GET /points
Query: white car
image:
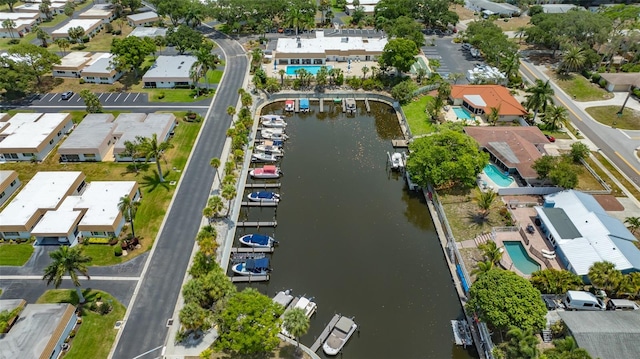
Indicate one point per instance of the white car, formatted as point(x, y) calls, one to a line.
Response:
point(466, 46)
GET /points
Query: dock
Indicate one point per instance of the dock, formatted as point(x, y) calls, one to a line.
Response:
point(297, 105)
point(344, 106)
point(366, 105)
point(321, 104)
point(259, 204)
point(256, 224)
point(262, 185)
point(250, 278)
point(325, 333)
point(242, 257)
point(251, 250)
point(400, 143)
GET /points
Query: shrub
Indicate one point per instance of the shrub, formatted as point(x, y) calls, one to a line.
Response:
point(117, 250)
point(72, 333)
point(82, 81)
point(602, 83)
point(104, 308)
point(117, 32)
point(595, 77)
point(113, 241)
point(636, 92)
point(97, 240)
point(86, 39)
point(160, 95)
point(108, 28)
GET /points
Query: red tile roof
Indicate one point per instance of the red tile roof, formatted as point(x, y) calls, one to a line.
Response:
point(493, 96)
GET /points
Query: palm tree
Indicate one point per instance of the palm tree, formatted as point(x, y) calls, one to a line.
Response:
point(215, 164)
point(520, 32)
point(151, 149)
point(63, 44)
point(293, 17)
point(633, 222)
point(281, 72)
point(455, 76)
point(420, 74)
point(567, 348)
point(194, 76)
point(522, 344)
point(206, 61)
point(228, 193)
point(76, 33)
point(494, 115)
point(540, 95)
point(553, 281)
point(216, 204)
point(296, 323)
point(444, 90)
point(9, 25)
point(45, 8)
point(365, 71)
point(482, 267)
point(491, 252)
point(128, 207)
point(573, 59)
point(42, 35)
point(555, 117)
point(485, 200)
point(67, 260)
point(510, 65)
point(208, 213)
point(231, 111)
point(604, 275)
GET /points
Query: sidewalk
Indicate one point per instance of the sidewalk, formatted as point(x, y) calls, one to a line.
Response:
point(617, 100)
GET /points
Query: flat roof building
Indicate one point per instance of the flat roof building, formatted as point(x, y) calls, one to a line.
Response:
point(151, 32)
point(21, 27)
point(143, 19)
point(321, 49)
point(169, 72)
point(29, 136)
point(55, 7)
point(131, 126)
point(102, 71)
point(72, 64)
point(9, 184)
point(103, 12)
point(91, 140)
point(90, 26)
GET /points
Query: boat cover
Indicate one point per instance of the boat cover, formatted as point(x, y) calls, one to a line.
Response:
point(264, 194)
point(289, 102)
point(260, 239)
point(260, 263)
point(304, 103)
point(344, 324)
point(269, 168)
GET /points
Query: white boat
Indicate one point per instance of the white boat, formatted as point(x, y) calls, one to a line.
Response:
point(269, 135)
point(252, 267)
point(283, 298)
point(273, 121)
point(268, 171)
point(276, 150)
point(276, 131)
point(257, 240)
point(265, 157)
point(340, 334)
point(397, 161)
point(264, 196)
point(308, 305)
point(289, 106)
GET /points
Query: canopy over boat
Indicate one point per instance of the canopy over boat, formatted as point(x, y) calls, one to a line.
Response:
point(260, 263)
point(264, 194)
point(304, 103)
point(260, 239)
point(269, 168)
point(289, 103)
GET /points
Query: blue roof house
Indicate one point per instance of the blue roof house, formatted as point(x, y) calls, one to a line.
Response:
point(582, 233)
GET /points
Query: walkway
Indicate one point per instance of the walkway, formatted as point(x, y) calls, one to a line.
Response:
point(617, 100)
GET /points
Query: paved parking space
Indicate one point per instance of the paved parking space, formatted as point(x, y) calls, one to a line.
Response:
point(106, 98)
point(451, 56)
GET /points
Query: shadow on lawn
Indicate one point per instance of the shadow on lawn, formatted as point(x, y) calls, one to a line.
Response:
point(150, 183)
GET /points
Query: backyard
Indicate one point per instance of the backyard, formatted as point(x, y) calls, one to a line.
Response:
point(418, 120)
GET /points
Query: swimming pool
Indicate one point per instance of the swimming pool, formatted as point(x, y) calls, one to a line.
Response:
point(462, 113)
point(291, 70)
point(520, 258)
point(497, 176)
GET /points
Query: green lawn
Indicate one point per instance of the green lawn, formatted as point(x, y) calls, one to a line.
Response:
point(174, 95)
point(631, 188)
point(556, 134)
point(419, 122)
point(608, 115)
point(615, 190)
point(15, 254)
point(586, 181)
point(580, 88)
point(214, 77)
point(96, 333)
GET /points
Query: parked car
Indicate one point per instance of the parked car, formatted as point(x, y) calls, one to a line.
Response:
point(466, 46)
point(622, 304)
point(550, 138)
point(67, 95)
point(579, 300)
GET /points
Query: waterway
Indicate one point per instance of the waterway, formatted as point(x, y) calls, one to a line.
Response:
point(354, 238)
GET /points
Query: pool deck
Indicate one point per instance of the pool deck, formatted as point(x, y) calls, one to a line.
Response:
point(484, 178)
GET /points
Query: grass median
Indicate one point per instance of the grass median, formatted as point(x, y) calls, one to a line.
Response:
point(14, 254)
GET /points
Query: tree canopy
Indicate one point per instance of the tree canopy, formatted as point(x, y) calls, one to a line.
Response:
point(131, 51)
point(37, 61)
point(503, 299)
point(184, 38)
point(399, 53)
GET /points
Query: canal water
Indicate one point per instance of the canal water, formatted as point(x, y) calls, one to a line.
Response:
point(356, 240)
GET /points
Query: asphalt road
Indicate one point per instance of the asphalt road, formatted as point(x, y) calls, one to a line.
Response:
point(145, 330)
point(614, 143)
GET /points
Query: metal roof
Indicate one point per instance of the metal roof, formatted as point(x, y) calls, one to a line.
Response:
point(562, 223)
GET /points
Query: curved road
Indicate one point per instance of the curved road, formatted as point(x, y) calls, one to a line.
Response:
point(145, 330)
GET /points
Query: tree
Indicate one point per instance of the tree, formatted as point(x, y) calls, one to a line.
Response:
point(540, 95)
point(494, 115)
point(76, 34)
point(194, 76)
point(485, 200)
point(228, 193)
point(45, 8)
point(564, 175)
point(150, 148)
point(553, 281)
point(491, 252)
point(445, 158)
point(209, 289)
point(249, 324)
point(503, 299)
point(160, 42)
point(573, 59)
point(69, 8)
point(37, 61)
point(566, 348)
point(194, 318)
point(67, 261)
point(91, 101)
point(63, 44)
point(421, 73)
point(555, 117)
point(365, 71)
point(399, 53)
point(231, 111)
point(129, 208)
point(296, 323)
point(579, 151)
point(455, 76)
point(407, 28)
point(604, 275)
point(215, 164)
point(174, 9)
point(522, 344)
point(9, 25)
point(216, 204)
point(482, 267)
point(444, 90)
point(130, 52)
point(206, 61)
point(544, 165)
point(633, 222)
point(42, 35)
point(184, 38)
point(131, 150)
point(403, 92)
point(9, 3)
point(435, 13)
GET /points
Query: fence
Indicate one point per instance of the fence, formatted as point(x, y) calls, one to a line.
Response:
point(607, 188)
point(425, 89)
point(534, 191)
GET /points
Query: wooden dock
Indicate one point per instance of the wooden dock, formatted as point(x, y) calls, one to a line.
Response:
point(251, 250)
point(262, 185)
point(400, 143)
point(321, 104)
point(259, 204)
point(366, 104)
point(250, 278)
point(297, 105)
point(242, 257)
point(325, 333)
point(257, 224)
point(344, 106)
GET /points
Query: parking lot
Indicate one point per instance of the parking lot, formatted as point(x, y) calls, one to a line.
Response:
point(106, 99)
point(451, 56)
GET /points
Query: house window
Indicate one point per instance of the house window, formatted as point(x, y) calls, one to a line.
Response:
point(90, 155)
point(2, 195)
point(89, 77)
point(13, 156)
point(11, 234)
point(60, 72)
point(306, 61)
point(101, 234)
point(104, 78)
point(27, 155)
point(70, 158)
point(295, 61)
point(317, 61)
point(59, 133)
point(14, 183)
point(51, 142)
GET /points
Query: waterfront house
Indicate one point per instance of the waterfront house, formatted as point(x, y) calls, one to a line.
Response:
point(480, 99)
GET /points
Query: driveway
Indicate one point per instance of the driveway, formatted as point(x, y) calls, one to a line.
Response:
point(451, 56)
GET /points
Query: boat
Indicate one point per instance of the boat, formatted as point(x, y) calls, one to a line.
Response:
point(308, 305)
point(265, 157)
point(304, 105)
point(274, 121)
point(461, 333)
point(264, 196)
point(268, 171)
point(252, 267)
point(276, 150)
point(340, 334)
point(270, 135)
point(257, 240)
point(289, 106)
point(397, 160)
point(283, 298)
point(350, 105)
point(277, 131)
point(275, 143)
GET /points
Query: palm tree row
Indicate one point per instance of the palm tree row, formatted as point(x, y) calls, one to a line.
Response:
point(149, 148)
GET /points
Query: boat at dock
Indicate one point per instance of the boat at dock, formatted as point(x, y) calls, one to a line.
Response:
point(283, 298)
point(257, 240)
point(340, 334)
point(289, 105)
point(276, 150)
point(304, 105)
point(275, 121)
point(264, 196)
point(306, 304)
point(350, 105)
point(265, 157)
point(273, 134)
point(252, 267)
point(461, 332)
point(265, 172)
point(397, 160)
point(274, 143)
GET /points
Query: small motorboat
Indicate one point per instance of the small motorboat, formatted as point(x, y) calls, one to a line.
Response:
point(265, 157)
point(257, 240)
point(289, 106)
point(340, 334)
point(264, 196)
point(308, 305)
point(276, 150)
point(252, 267)
point(270, 135)
point(304, 105)
point(283, 298)
point(272, 121)
point(274, 143)
point(277, 131)
point(397, 161)
point(268, 171)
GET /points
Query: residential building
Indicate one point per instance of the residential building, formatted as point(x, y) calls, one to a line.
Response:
point(72, 64)
point(151, 32)
point(560, 8)
point(621, 81)
point(489, 8)
point(102, 71)
point(480, 99)
point(31, 136)
point(514, 149)
point(39, 332)
point(23, 24)
point(55, 7)
point(582, 233)
point(91, 140)
point(321, 50)
point(103, 12)
point(91, 28)
point(60, 207)
point(9, 184)
point(130, 126)
point(170, 72)
point(143, 19)
point(605, 334)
